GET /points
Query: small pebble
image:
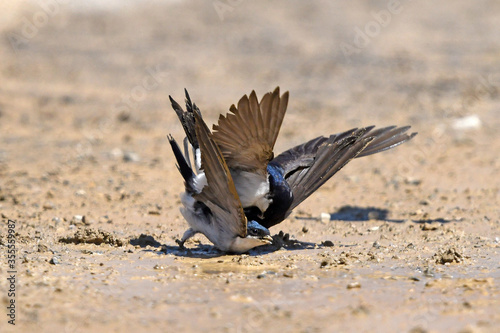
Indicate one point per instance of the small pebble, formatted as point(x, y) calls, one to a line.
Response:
point(241, 298)
point(325, 217)
point(428, 272)
point(80, 193)
point(131, 157)
point(54, 261)
point(467, 305)
point(42, 247)
point(48, 206)
point(412, 181)
point(353, 285)
point(116, 153)
point(429, 226)
point(78, 219)
point(418, 329)
point(327, 243)
point(467, 123)
point(105, 219)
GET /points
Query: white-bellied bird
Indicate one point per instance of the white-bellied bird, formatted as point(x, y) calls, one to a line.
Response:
point(211, 203)
point(269, 187)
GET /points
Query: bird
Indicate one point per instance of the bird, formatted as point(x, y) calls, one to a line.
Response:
point(270, 187)
point(211, 204)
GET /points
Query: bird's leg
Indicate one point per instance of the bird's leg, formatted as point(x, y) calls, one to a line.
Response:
point(188, 234)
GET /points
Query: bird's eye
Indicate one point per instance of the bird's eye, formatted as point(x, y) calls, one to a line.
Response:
point(254, 231)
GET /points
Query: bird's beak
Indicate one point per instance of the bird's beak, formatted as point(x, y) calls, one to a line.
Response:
point(268, 239)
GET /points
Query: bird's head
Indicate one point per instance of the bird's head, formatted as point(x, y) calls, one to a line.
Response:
point(257, 235)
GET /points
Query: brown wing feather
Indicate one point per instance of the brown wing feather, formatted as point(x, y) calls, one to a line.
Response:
point(246, 136)
point(220, 193)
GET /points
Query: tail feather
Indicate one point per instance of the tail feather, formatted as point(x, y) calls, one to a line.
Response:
point(186, 151)
point(187, 118)
point(183, 166)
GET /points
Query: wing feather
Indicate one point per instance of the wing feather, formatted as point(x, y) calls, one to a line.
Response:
point(247, 135)
point(387, 138)
point(308, 166)
point(220, 193)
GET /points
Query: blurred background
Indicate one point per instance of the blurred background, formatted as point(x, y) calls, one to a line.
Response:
point(75, 72)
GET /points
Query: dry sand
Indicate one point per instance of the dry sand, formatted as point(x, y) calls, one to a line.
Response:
point(409, 239)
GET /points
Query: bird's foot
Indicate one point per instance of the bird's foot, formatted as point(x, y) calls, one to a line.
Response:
point(181, 244)
point(188, 234)
point(281, 239)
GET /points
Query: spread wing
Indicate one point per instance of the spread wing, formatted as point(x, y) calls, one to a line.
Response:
point(220, 193)
point(330, 157)
point(386, 138)
point(310, 165)
point(246, 136)
point(303, 155)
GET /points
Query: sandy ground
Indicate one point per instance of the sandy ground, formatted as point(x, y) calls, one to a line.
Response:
point(407, 240)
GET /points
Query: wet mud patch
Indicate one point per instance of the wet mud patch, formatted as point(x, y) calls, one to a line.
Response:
point(92, 236)
point(448, 256)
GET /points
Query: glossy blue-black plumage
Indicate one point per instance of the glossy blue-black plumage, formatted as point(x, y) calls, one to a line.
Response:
point(280, 195)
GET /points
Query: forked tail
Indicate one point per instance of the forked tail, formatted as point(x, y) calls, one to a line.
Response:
point(183, 166)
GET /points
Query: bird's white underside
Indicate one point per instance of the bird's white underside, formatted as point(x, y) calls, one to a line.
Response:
point(200, 181)
point(199, 222)
point(252, 189)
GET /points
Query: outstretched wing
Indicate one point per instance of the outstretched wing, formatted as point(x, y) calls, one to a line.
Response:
point(303, 155)
point(220, 193)
point(247, 135)
point(386, 138)
point(330, 157)
point(310, 165)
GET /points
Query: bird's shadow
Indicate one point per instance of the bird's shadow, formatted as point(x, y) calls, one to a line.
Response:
point(280, 240)
point(361, 214)
point(350, 213)
point(205, 251)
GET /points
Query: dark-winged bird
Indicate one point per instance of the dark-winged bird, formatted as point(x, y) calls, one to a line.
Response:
point(211, 203)
point(271, 187)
